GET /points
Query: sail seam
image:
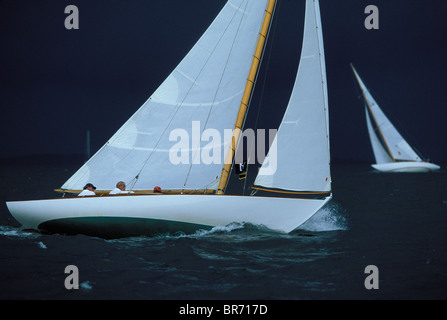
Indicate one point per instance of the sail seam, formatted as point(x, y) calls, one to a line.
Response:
point(134, 180)
point(218, 86)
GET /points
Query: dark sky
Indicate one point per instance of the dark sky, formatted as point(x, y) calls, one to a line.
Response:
point(57, 83)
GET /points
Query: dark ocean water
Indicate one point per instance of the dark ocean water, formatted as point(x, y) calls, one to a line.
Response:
point(396, 222)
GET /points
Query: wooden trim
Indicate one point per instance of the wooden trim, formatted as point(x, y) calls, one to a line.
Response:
point(246, 97)
point(293, 192)
point(138, 192)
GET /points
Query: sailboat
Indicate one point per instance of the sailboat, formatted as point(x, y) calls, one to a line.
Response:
point(391, 151)
point(208, 92)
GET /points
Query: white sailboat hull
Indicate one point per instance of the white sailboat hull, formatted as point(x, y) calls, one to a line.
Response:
point(121, 216)
point(406, 166)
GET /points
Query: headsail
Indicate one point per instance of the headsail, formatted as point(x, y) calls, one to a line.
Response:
point(299, 158)
point(162, 142)
point(388, 144)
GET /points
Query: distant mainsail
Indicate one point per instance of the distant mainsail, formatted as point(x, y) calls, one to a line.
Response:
point(387, 143)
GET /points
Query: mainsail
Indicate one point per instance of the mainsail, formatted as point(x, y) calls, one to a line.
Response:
point(387, 143)
point(299, 158)
point(203, 92)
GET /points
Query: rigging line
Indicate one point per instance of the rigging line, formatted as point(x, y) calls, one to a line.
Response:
point(388, 149)
point(275, 15)
point(78, 175)
point(178, 108)
point(376, 131)
point(401, 129)
point(319, 30)
point(378, 128)
point(246, 98)
point(220, 81)
point(373, 118)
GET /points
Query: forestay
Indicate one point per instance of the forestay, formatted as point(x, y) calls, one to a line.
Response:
point(299, 157)
point(205, 89)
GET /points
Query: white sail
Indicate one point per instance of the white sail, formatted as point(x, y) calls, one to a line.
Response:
point(299, 157)
point(388, 144)
point(203, 92)
point(380, 153)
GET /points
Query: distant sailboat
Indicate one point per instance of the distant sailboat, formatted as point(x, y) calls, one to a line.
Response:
point(392, 152)
point(207, 88)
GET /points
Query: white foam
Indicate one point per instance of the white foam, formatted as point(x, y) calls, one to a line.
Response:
point(86, 285)
point(221, 229)
point(16, 232)
point(329, 218)
point(42, 245)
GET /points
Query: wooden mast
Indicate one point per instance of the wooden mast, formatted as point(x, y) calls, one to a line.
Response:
point(246, 97)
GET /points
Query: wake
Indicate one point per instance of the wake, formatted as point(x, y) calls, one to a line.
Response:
point(329, 218)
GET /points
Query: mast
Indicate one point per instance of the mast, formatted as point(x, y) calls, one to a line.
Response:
point(363, 89)
point(246, 97)
point(87, 145)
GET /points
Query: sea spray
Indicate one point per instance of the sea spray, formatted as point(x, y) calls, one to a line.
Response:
point(86, 285)
point(17, 232)
point(42, 245)
point(329, 218)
